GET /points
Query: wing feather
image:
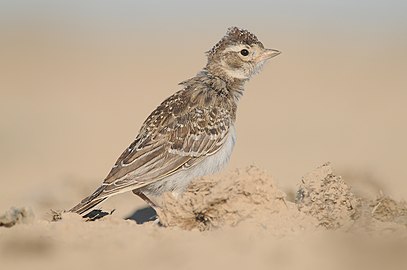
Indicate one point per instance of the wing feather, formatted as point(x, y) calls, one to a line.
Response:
point(169, 143)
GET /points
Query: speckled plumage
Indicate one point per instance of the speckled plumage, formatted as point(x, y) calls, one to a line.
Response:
point(233, 36)
point(191, 133)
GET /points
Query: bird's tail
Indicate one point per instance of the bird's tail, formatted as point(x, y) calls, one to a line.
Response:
point(89, 202)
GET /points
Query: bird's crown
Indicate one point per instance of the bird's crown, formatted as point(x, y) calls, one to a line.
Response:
point(233, 36)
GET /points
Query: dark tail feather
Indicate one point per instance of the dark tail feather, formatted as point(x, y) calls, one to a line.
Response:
point(89, 202)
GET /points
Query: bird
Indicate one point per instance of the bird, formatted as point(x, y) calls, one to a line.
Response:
point(191, 133)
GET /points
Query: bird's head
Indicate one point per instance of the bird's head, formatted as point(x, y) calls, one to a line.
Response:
point(238, 55)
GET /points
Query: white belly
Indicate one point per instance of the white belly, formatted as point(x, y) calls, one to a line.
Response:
point(212, 164)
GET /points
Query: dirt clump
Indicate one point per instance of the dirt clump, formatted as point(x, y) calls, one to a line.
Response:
point(386, 209)
point(15, 215)
point(327, 197)
point(244, 196)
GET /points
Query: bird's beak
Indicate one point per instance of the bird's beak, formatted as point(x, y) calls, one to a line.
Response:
point(268, 53)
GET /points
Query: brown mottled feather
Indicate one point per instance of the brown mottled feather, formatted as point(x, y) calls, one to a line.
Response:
point(188, 126)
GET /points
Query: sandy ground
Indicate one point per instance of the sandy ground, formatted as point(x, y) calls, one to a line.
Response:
point(236, 220)
point(76, 83)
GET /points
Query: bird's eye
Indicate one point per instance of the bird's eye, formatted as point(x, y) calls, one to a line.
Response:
point(244, 52)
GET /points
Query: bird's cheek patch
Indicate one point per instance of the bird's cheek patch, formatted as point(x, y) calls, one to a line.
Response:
point(233, 62)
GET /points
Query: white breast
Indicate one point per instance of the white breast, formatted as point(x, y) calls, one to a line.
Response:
point(217, 161)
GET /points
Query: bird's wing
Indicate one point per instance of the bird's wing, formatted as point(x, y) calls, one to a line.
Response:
point(173, 138)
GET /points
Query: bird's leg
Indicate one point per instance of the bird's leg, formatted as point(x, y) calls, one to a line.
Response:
point(150, 203)
point(145, 198)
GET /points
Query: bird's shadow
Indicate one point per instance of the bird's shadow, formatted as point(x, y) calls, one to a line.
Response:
point(143, 215)
point(140, 216)
point(97, 214)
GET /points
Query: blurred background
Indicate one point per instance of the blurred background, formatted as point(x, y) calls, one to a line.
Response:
point(78, 78)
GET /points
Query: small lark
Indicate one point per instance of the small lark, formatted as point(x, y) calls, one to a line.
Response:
point(191, 134)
